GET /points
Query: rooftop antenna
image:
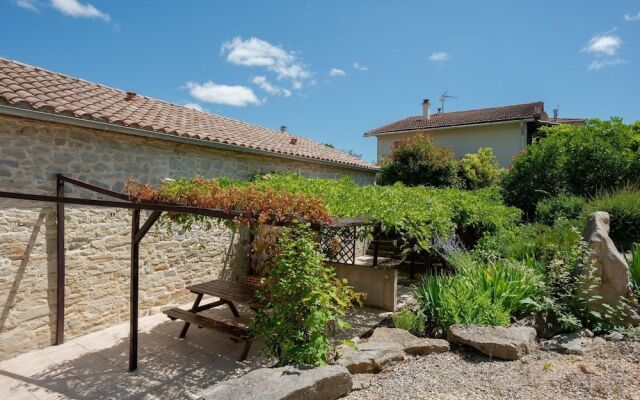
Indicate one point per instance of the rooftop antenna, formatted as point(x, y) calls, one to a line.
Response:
point(444, 97)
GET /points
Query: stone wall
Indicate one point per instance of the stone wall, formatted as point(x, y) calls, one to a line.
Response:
point(97, 240)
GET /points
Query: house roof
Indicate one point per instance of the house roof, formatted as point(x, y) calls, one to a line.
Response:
point(460, 118)
point(28, 87)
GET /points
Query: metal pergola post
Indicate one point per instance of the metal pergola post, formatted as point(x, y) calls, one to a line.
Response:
point(60, 262)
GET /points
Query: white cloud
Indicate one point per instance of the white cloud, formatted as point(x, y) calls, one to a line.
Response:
point(255, 52)
point(606, 44)
point(270, 88)
point(605, 62)
point(439, 56)
point(27, 4)
point(74, 8)
point(604, 48)
point(194, 106)
point(632, 17)
point(360, 67)
point(210, 92)
point(335, 72)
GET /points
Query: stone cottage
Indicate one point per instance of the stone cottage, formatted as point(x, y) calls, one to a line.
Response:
point(50, 124)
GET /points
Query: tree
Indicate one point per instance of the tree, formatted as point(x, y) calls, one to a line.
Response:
point(418, 161)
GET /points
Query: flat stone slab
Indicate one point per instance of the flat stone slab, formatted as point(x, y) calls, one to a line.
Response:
point(300, 383)
point(574, 343)
point(371, 357)
point(506, 343)
point(410, 343)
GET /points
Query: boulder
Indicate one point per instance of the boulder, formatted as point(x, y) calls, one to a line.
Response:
point(611, 269)
point(545, 324)
point(410, 343)
point(507, 343)
point(304, 383)
point(371, 357)
point(614, 336)
point(574, 343)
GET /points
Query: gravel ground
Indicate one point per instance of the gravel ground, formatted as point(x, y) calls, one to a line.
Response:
point(613, 373)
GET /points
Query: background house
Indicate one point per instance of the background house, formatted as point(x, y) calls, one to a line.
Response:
point(507, 130)
point(52, 123)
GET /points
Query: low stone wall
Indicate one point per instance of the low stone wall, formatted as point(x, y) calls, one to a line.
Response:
point(97, 240)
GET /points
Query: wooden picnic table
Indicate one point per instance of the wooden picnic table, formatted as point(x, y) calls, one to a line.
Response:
point(228, 293)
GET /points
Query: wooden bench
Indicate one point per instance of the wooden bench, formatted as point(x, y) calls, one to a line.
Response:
point(228, 294)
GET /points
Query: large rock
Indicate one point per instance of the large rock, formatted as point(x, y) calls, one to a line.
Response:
point(611, 269)
point(507, 343)
point(574, 343)
point(410, 343)
point(371, 357)
point(299, 383)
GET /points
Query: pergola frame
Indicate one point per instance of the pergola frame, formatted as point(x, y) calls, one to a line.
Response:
point(137, 234)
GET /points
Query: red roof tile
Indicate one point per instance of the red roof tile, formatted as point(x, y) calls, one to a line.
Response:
point(26, 86)
point(459, 118)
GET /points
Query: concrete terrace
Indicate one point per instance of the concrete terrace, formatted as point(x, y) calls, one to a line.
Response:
point(94, 366)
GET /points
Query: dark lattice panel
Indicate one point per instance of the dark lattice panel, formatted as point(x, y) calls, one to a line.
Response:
point(338, 244)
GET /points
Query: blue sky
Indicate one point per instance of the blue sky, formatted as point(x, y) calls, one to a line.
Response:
point(331, 70)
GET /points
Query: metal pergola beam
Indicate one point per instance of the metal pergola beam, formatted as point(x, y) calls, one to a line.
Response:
point(137, 234)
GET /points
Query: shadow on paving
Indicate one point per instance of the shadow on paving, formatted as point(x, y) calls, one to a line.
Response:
point(168, 367)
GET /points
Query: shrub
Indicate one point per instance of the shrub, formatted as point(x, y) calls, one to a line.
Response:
point(479, 170)
point(417, 161)
point(623, 207)
point(577, 160)
point(410, 321)
point(534, 244)
point(549, 210)
point(300, 302)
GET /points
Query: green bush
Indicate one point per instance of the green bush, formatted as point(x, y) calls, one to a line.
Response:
point(417, 161)
point(577, 160)
point(623, 207)
point(549, 210)
point(410, 321)
point(301, 300)
point(479, 170)
point(534, 244)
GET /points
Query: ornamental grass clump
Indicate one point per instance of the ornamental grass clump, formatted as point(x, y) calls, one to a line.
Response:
point(479, 293)
point(301, 302)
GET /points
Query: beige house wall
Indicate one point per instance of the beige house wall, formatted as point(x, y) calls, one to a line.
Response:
point(506, 140)
point(97, 240)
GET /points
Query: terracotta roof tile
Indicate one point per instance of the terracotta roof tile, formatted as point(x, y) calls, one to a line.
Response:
point(42, 90)
point(459, 118)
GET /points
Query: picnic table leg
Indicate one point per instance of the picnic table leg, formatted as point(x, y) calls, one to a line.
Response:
point(233, 308)
point(196, 303)
point(245, 351)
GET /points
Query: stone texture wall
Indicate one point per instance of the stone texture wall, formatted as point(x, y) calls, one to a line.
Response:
point(97, 240)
